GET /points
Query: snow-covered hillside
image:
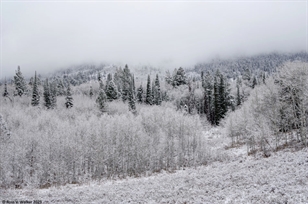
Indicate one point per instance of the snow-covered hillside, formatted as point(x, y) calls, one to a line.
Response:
point(281, 178)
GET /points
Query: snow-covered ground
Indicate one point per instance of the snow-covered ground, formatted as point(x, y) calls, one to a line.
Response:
point(281, 178)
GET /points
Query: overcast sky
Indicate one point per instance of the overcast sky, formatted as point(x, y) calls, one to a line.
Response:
point(49, 35)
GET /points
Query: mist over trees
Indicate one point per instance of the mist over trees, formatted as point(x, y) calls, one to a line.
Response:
point(90, 124)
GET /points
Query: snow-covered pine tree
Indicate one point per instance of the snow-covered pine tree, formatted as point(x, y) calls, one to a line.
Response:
point(20, 83)
point(216, 100)
point(5, 93)
point(60, 88)
point(148, 99)
point(222, 97)
point(35, 94)
point(180, 77)
point(99, 77)
point(91, 92)
point(101, 100)
point(53, 94)
point(131, 101)
point(140, 94)
point(157, 93)
point(69, 98)
point(254, 82)
point(111, 91)
point(46, 94)
point(126, 83)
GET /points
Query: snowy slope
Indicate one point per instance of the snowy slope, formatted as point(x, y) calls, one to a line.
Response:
point(281, 178)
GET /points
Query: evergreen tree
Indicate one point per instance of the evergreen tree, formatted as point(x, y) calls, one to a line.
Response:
point(238, 96)
point(35, 94)
point(254, 82)
point(140, 94)
point(168, 78)
point(148, 99)
point(101, 100)
point(53, 94)
point(208, 98)
point(126, 83)
point(222, 98)
point(109, 78)
point(216, 101)
point(111, 91)
point(47, 98)
point(99, 77)
point(180, 77)
point(131, 101)
point(69, 98)
point(60, 88)
point(20, 83)
point(157, 93)
point(5, 93)
point(91, 92)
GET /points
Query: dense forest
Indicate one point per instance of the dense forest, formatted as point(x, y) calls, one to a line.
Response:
point(97, 122)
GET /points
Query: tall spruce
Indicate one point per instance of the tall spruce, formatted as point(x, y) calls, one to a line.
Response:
point(20, 84)
point(53, 94)
point(148, 99)
point(5, 93)
point(91, 92)
point(101, 100)
point(157, 93)
point(222, 98)
point(131, 100)
point(35, 94)
point(60, 88)
point(46, 94)
point(126, 83)
point(112, 91)
point(69, 98)
point(140, 94)
point(208, 97)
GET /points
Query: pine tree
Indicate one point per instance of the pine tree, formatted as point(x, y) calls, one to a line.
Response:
point(180, 78)
point(131, 101)
point(238, 96)
point(101, 100)
point(99, 77)
point(35, 94)
point(91, 92)
point(148, 99)
point(222, 98)
point(5, 93)
point(111, 91)
point(69, 98)
point(47, 98)
point(53, 94)
point(216, 101)
point(140, 94)
point(254, 82)
point(126, 83)
point(60, 88)
point(208, 98)
point(157, 93)
point(109, 78)
point(20, 83)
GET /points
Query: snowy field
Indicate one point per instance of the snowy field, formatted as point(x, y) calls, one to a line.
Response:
point(281, 178)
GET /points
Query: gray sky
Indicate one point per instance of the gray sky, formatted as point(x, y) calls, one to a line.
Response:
point(49, 35)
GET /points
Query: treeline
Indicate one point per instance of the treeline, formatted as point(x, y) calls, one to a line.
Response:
point(257, 64)
point(209, 96)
